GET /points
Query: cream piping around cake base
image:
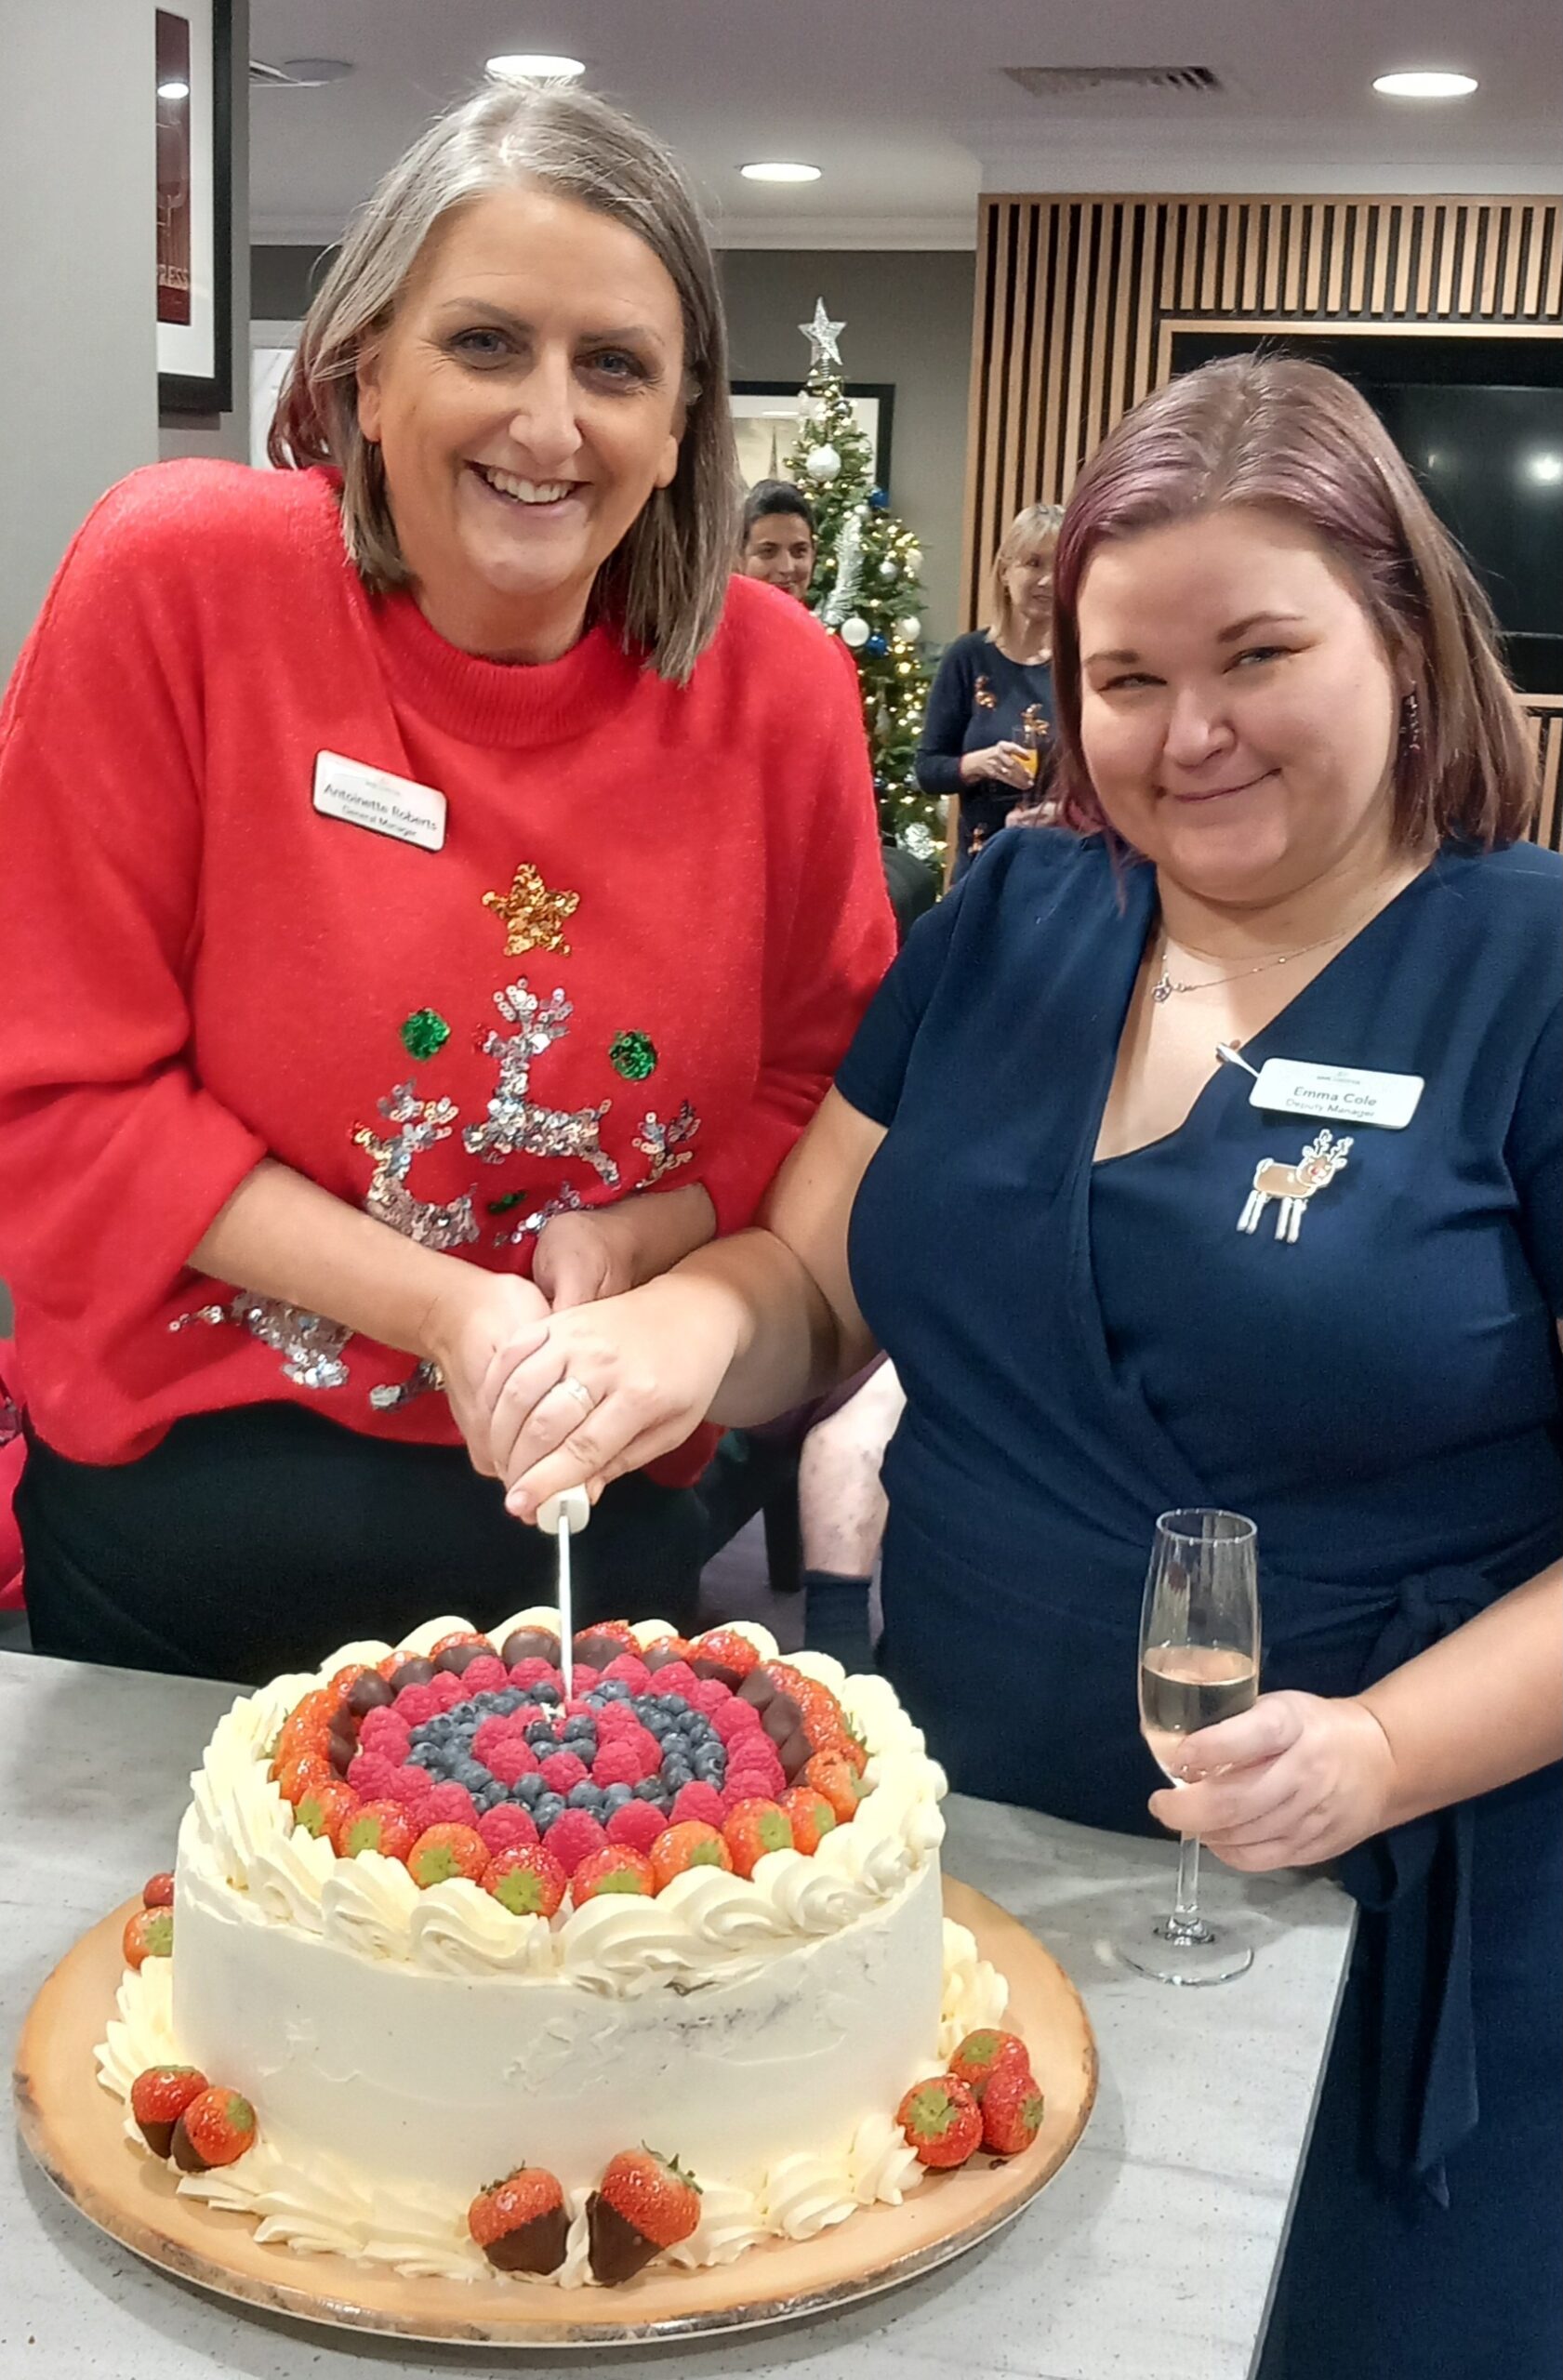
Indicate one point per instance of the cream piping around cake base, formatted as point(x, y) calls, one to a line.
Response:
point(316, 2199)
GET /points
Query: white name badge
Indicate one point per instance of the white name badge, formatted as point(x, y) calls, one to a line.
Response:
point(373, 797)
point(1344, 1095)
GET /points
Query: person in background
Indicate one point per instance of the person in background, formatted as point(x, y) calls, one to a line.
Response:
point(406, 868)
point(989, 723)
point(1299, 783)
point(778, 543)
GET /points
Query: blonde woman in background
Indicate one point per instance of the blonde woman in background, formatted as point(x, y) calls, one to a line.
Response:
point(990, 710)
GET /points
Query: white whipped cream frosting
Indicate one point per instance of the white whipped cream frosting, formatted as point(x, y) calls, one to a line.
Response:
point(316, 2202)
point(239, 1842)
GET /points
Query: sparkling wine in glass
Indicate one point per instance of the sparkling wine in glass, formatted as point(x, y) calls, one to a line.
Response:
point(1198, 1664)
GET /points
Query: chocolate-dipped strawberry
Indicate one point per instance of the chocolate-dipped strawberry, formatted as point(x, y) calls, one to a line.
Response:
point(722, 1653)
point(371, 1692)
point(795, 1752)
point(216, 2129)
point(643, 2204)
point(414, 1671)
point(159, 2097)
point(520, 2223)
point(664, 1653)
point(530, 1645)
point(342, 1743)
point(593, 1650)
point(595, 1647)
point(459, 1659)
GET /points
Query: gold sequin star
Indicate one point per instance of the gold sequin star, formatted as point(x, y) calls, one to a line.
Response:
point(533, 916)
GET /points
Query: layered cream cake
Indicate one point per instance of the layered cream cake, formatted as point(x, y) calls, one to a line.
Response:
point(435, 1922)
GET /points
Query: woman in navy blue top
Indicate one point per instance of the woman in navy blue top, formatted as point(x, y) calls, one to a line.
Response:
point(986, 729)
point(1328, 1299)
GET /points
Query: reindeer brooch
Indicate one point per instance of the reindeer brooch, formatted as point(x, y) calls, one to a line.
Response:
point(1292, 1184)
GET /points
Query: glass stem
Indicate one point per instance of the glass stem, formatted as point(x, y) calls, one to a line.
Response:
point(1186, 1907)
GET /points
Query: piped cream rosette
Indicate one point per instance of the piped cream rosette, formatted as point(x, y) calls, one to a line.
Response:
point(240, 1843)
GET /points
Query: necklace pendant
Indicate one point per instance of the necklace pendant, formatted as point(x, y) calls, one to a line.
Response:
point(1163, 989)
point(1294, 1186)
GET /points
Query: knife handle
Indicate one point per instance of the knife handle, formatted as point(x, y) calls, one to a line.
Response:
point(574, 1507)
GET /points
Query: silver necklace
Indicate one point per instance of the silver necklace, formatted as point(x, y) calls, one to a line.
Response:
point(1166, 985)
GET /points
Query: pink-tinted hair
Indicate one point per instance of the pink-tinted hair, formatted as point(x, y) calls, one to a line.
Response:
point(1276, 432)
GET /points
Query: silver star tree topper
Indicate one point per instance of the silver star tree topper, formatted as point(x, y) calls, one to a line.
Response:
point(823, 335)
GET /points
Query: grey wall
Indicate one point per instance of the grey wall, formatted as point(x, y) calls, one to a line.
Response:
point(228, 433)
point(909, 321)
point(78, 339)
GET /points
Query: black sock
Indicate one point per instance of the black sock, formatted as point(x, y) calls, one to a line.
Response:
point(836, 1617)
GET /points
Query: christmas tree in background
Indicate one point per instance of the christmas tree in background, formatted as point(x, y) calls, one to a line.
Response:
point(865, 588)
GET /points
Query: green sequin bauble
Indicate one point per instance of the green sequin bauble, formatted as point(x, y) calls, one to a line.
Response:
point(425, 1033)
point(633, 1055)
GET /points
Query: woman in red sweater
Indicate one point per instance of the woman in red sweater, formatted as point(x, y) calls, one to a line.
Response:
point(433, 892)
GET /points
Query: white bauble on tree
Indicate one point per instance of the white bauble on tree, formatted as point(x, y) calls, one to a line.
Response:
point(889, 569)
point(911, 562)
point(822, 463)
point(856, 632)
point(909, 630)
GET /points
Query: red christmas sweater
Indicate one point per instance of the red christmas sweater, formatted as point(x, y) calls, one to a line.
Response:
point(655, 920)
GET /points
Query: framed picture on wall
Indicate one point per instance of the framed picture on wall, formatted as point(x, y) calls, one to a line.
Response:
point(766, 418)
point(194, 205)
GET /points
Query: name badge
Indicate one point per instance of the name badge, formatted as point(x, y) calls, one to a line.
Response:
point(373, 797)
point(1351, 1095)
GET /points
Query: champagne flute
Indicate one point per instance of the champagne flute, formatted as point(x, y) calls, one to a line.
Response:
point(1198, 1664)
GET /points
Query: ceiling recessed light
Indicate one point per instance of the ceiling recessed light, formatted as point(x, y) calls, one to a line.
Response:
point(1424, 85)
point(1547, 469)
point(313, 74)
point(535, 66)
point(173, 90)
point(779, 172)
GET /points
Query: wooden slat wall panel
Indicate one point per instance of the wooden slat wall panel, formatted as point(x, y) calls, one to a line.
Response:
point(1075, 296)
point(1545, 721)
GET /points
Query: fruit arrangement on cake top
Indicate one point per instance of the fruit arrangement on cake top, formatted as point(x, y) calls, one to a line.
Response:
point(699, 1884)
point(476, 1761)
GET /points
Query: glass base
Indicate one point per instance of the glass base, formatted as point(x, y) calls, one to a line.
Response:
point(1169, 1953)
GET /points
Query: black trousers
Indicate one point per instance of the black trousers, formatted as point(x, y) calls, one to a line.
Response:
point(258, 1541)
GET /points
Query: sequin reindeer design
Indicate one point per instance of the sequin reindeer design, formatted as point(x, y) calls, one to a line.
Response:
point(312, 1345)
point(515, 1126)
point(419, 1125)
point(1293, 1184)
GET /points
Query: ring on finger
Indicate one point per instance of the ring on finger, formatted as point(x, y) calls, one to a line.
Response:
point(578, 1390)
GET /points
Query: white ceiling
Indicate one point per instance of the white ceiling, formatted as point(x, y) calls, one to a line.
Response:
point(905, 103)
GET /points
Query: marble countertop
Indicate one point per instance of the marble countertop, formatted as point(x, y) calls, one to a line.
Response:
point(1151, 2257)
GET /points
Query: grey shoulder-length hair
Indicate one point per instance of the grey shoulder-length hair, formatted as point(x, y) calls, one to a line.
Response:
point(664, 586)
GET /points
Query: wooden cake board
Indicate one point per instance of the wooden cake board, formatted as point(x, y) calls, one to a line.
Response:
point(74, 2128)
